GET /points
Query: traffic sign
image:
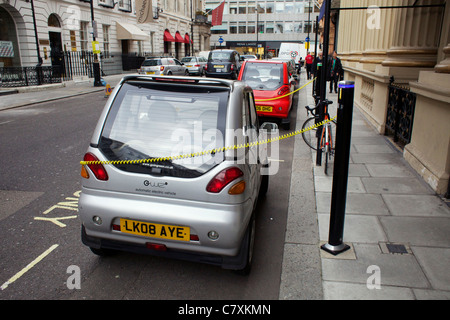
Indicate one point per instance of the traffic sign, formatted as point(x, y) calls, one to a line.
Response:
point(307, 39)
point(221, 40)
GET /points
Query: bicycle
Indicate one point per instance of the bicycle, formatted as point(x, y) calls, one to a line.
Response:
point(325, 133)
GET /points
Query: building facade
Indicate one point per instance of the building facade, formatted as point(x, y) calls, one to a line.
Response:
point(260, 26)
point(66, 26)
point(399, 60)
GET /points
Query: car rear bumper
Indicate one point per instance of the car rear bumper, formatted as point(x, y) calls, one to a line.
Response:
point(284, 104)
point(229, 221)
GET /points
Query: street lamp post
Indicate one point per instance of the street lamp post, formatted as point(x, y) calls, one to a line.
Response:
point(96, 64)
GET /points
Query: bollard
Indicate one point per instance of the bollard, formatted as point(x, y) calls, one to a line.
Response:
point(335, 243)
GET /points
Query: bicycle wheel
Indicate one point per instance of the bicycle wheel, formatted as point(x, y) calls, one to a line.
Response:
point(309, 136)
point(329, 148)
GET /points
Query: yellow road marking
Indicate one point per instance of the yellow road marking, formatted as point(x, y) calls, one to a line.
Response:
point(28, 267)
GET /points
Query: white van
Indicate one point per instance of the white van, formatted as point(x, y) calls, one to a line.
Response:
point(292, 51)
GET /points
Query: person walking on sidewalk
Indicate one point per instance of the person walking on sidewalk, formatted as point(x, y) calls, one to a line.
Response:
point(309, 59)
point(335, 66)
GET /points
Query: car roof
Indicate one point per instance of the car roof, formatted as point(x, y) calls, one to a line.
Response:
point(266, 61)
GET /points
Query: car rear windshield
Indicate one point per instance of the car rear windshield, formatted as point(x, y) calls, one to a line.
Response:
point(189, 59)
point(263, 76)
point(151, 63)
point(158, 120)
point(219, 55)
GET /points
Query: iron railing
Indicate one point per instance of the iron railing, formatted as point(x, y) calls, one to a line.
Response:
point(400, 112)
point(29, 76)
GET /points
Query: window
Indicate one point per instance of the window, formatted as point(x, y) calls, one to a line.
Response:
point(279, 27)
point(307, 27)
point(251, 27)
point(242, 8)
point(251, 7)
point(279, 7)
point(289, 7)
point(125, 5)
point(106, 3)
point(84, 35)
point(270, 7)
point(270, 27)
point(260, 26)
point(299, 7)
point(105, 29)
point(233, 27)
point(242, 27)
point(222, 29)
point(298, 27)
point(233, 8)
point(289, 27)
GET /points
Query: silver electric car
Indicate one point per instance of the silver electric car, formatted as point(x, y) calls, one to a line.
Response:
point(139, 194)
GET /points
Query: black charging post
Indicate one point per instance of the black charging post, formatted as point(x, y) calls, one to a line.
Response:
point(335, 243)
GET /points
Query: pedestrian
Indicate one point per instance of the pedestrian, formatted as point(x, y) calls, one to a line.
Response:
point(300, 63)
point(309, 59)
point(316, 62)
point(335, 71)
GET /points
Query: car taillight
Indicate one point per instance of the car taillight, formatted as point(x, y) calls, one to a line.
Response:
point(223, 178)
point(161, 68)
point(232, 67)
point(97, 169)
point(197, 65)
point(283, 90)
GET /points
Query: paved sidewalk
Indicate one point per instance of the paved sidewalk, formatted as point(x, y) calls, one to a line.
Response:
point(398, 229)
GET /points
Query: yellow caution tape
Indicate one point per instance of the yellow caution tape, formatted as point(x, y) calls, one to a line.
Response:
point(262, 100)
point(207, 152)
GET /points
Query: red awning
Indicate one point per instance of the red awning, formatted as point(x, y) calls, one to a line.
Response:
point(168, 37)
point(187, 39)
point(178, 37)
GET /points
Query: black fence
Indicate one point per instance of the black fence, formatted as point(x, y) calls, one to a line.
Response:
point(400, 113)
point(67, 65)
point(29, 76)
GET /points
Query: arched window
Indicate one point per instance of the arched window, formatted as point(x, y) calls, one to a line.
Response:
point(53, 21)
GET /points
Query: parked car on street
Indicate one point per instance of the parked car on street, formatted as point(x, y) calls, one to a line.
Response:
point(249, 57)
point(199, 208)
point(195, 65)
point(290, 63)
point(270, 80)
point(163, 66)
point(223, 64)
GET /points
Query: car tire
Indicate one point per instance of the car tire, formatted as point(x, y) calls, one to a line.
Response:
point(264, 186)
point(102, 252)
point(169, 73)
point(186, 73)
point(250, 238)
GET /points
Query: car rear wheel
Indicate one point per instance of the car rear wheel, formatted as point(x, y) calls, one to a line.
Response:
point(249, 238)
point(102, 252)
point(186, 73)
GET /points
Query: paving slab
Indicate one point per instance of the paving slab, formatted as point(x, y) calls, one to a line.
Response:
point(353, 291)
point(418, 231)
point(357, 228)
point(394, 269)
point(389, 170)
point(435, 263)
point(416, 205)
point(395, 185)
point(357, 203)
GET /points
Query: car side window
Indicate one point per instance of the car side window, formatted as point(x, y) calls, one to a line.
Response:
point(252, 111)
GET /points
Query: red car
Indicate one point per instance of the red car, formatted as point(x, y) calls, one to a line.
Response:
point(270, 80)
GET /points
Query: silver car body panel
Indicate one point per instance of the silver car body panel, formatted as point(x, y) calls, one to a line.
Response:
point(173, 200)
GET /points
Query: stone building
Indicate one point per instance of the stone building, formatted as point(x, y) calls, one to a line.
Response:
point(66, 26)
point(399, 59)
